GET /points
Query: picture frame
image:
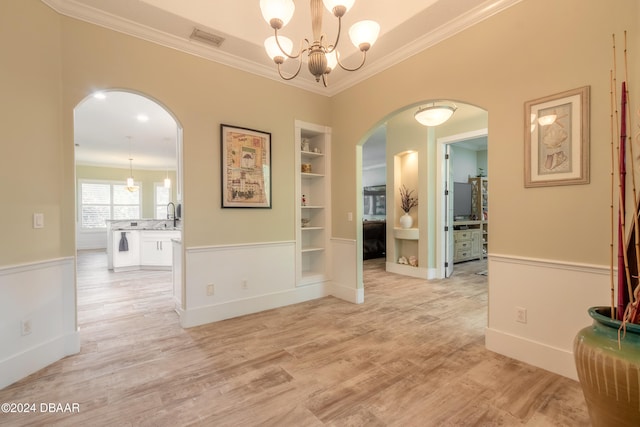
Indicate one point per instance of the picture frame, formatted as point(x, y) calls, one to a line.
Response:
point(245, 159)
point(556, 139)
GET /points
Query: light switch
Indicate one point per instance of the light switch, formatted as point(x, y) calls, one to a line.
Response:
point(38, 220)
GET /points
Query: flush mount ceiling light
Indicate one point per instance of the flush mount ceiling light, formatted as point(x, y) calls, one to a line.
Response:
point(322, 57)
point(434, 115)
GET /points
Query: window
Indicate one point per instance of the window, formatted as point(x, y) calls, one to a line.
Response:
point(100, 201)
point(163, 197)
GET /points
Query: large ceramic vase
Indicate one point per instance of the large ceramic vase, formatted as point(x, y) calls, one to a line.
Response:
point(609, 375)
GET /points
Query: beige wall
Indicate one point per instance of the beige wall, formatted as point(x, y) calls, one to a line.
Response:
point(30, 142)
point(45, 74)
point(497, 65)
point(202, 95)
point(533, 49)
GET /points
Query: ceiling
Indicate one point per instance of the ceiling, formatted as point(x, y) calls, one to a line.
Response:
point(405, 30)
point(108, 131)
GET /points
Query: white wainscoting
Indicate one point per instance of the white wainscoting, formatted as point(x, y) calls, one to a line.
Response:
point(268, 269)
point(556, 296)
point(344, 261)
point(44, 294)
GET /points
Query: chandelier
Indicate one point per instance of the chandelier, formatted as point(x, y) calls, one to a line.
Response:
point(322, 57)
point(434, 115)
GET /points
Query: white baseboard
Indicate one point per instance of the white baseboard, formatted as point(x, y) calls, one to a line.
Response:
point(44, 293)
point(407, 270)
point(33, 359)
point(241, 307)
point(552, 359)
point(348, 293)
point(555, 296)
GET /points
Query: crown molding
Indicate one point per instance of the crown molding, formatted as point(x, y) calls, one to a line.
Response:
point(428, 40)
point(80, 11)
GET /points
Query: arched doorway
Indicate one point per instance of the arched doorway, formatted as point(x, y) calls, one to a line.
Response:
point(403, 136)
point(121, 135)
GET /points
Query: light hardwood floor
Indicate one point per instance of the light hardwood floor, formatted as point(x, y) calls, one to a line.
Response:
point(412, 355)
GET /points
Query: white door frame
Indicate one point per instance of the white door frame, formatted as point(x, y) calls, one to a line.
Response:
point(441, 214)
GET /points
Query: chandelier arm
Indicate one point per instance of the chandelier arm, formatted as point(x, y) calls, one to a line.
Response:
point(325, 79)
point(364, 58)
point(300, 52)
point(283, 77)
point(332, 47)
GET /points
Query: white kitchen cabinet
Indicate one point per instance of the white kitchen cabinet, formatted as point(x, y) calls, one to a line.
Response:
point(129, 259)
point(156, 248)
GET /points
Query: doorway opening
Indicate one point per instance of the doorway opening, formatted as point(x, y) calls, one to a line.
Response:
point(404, 138)
point(463, 230)
point(128, 176)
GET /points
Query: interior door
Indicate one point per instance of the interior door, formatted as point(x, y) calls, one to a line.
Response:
point(448, 222)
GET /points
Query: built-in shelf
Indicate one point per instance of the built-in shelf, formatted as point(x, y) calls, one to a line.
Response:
point(312, 249)
point(313, 205)
point(406, 233)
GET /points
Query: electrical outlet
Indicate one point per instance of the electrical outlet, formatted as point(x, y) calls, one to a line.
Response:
point(25, 327)
point(210, 290)
point(245, 285)
point(521, 314)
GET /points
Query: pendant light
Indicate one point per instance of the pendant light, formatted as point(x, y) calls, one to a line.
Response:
point(130, 182)
point(167, 180)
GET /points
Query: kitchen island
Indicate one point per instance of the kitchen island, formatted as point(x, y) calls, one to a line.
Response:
point(141, 244)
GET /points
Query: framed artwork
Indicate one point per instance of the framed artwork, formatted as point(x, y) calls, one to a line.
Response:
point(556, 139)
point(246, 167)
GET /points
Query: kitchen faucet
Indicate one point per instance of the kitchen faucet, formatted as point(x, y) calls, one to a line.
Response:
point(173, 217)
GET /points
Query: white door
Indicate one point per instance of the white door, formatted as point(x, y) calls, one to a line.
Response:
point(448, 221)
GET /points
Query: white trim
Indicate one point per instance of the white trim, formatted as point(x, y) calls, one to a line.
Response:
point(25, 363)
point(196, 249)
point(34, 266)
point(24, 289)
point(440, 185)
point(552, 263)
point(553, 359)
point(98, 17)
point(344, 262)
point(555, 294)
point(240, 307)
point(407, 270)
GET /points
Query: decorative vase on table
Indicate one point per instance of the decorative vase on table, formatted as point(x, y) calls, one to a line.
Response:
point(609, 370)
point(406, 221)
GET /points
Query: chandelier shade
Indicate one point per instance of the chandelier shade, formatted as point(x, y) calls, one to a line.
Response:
point(274, 51)
point(331, 5)
point(279, 10)
point(364, 33)
point(322, 57)
point(434, 115)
